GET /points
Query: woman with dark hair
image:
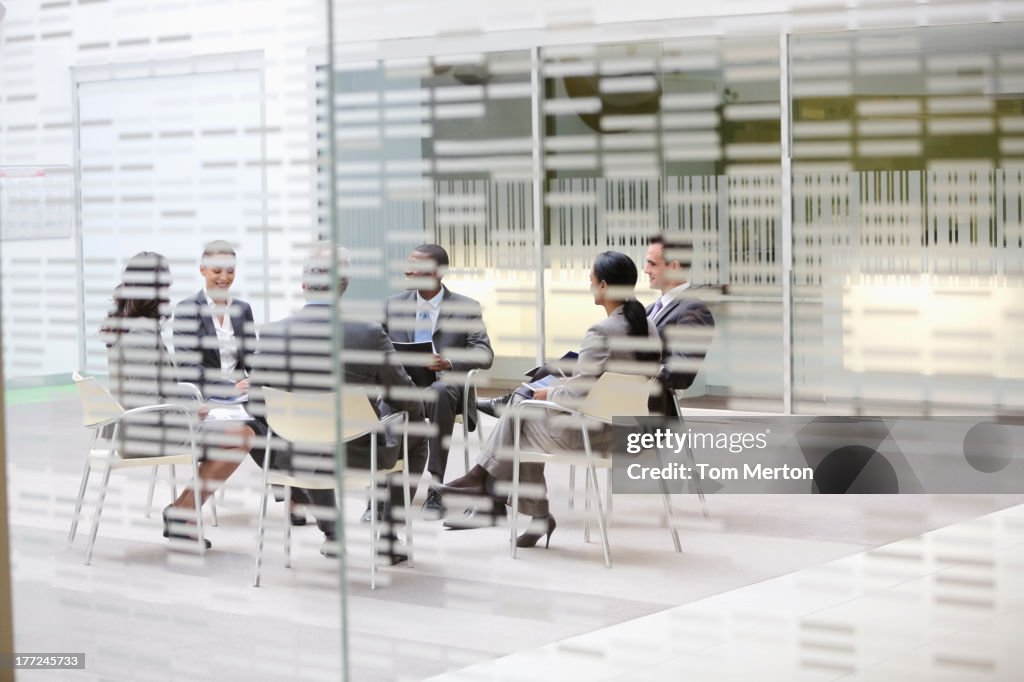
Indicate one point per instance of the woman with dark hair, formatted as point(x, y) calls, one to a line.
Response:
point(625, 338)
point(142, 372)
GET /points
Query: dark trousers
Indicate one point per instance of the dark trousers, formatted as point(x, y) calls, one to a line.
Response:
point(446, 407)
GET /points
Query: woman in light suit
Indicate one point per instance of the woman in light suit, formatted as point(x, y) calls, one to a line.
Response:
point(612, 281)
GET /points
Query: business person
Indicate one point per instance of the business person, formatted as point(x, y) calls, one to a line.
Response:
point(214, 338)
point(685, 324)
point(612, 281)
point(143, 372)
point(295, 354)
point(214, 334)
point(453, 323)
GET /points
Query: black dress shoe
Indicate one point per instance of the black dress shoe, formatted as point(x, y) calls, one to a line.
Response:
point(365, 518)
point(176, 532)
point(297, 519)
point(494, 406)
point(434, 505)
point(471, 489)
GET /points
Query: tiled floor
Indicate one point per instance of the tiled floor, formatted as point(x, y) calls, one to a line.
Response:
point(945, 605)
point(144, 611)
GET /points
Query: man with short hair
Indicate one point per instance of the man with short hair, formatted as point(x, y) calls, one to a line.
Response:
point(454, 324)
point(684, 322)
point(214, 335)
point(295, 354)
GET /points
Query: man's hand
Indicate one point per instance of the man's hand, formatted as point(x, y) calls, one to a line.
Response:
point(204, 411)
point(439, 364)
point(243, 385)
point(540, 394)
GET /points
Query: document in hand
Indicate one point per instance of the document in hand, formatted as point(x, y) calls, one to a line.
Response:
point(415, 357)
point(228, 413)
point(542, 383)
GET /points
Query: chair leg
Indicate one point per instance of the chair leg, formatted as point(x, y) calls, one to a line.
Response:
point(373, 512)
point(480, 437)
point(197, 491)
point(152, 488)
point(572, 486)
point(465, 438)
point(586, 508)
point(409, 513)
point(287, 526)
point(671, 521)
point(601, 522)
point(406, 492)
point(608, 496)
point(700, 486)
point(174, 484)
point(81, 489)
point(213, 509)
point(261, 528)
point(514, 512)
point(97, 514)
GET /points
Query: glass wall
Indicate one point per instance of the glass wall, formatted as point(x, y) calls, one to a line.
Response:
point(904, 217)
point(907, 220)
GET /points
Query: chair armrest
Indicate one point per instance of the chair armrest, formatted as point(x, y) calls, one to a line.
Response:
point(166, 407)
point(545, 403)
point(196, 393)
point(162, 407)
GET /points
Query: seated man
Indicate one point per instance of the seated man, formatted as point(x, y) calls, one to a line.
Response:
point(684, 322)
point(430, 311)
point(294, 354)
point(213, 332)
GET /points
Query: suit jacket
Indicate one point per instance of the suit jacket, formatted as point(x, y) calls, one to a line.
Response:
point(605, 348)
point(142, 372)
point(682, 347)
point(294, 354)
point(195, 340)
point(460, 335)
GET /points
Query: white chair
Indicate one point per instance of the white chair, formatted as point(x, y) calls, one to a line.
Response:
point(312, 418)
point(197, 398)
point(464, 418)
point(99, 410)
point(689, 454)
point(612, 395)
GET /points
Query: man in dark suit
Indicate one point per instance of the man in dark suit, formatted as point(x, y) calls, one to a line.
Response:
point(295, 354)
point(454, 324)
point(684, 322)
point(214, 335)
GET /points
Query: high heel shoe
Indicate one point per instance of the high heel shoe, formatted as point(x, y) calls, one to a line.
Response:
point(529, 538)
point(176, 533)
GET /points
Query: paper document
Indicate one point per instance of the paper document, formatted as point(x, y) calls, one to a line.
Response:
point(228, 413)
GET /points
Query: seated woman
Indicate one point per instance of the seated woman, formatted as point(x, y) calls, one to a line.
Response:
point(612, 281)
point(142, 372)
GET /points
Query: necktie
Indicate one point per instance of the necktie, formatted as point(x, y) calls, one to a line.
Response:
point(656, 309)
point(424, 328)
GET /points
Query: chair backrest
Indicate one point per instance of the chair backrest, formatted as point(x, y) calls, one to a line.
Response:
point(98, 406)
point(618, 395)
point(312, 416)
